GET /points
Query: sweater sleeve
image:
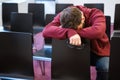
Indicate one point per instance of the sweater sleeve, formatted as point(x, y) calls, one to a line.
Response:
point(97, 25)
point(53, 30)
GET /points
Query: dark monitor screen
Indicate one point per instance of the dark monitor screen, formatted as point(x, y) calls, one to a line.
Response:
point(16, 55)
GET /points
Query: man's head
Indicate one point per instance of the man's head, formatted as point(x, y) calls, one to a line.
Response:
point(72, 17)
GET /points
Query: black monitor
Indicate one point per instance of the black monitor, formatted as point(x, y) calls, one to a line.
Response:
point(16, 55)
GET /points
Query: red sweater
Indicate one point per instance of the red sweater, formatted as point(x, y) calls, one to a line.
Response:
point(95, 26)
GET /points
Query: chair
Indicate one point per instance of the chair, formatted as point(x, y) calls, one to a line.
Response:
point(48, 19)
point(21, 22)
point(114, 65)
point(7, 8)
point(38, 11)
point(95, 5)
point(117, 17)
point(70, 62)
point(59, 7)
point(16, 58)
point(108, 26)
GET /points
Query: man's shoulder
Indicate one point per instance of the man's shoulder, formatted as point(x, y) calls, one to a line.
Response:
point(83, 8)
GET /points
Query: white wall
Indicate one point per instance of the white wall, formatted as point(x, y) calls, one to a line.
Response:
point(49, 6)
point(109, 5)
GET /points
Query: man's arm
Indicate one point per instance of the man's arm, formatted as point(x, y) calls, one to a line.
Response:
point(97, 25)
point(53, 30)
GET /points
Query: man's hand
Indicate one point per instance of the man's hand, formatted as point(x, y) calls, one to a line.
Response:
point(75, 40)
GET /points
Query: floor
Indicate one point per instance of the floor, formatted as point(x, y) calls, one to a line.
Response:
point(38, 74)
point(37, 71)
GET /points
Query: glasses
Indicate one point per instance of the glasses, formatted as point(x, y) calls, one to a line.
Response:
point(82, 46)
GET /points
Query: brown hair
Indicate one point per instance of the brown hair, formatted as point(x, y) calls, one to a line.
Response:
point(70, 17)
